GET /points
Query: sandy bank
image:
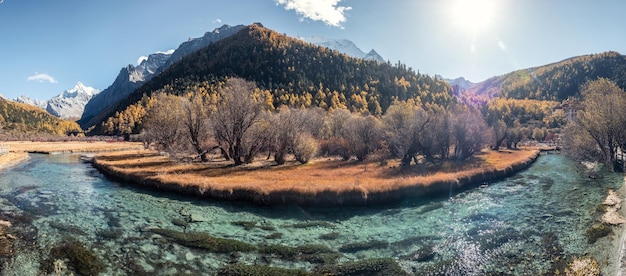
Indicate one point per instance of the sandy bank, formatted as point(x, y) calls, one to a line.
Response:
point(324, 182)
point(12, 159)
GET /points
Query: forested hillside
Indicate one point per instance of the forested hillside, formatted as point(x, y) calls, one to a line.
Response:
point(20, 119)
point(554, 82)
point(290, 72)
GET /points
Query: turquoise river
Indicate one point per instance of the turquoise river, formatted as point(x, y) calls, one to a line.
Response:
point(522, 225)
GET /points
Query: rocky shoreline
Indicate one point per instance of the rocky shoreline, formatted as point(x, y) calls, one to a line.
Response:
point(356, 196)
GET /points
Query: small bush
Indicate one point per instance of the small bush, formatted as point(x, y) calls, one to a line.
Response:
point(305, 148)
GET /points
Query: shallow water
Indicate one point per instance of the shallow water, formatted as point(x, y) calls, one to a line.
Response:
point(515, 226)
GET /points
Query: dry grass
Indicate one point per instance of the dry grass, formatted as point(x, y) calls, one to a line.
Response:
point(69, 147)
point(321, 175)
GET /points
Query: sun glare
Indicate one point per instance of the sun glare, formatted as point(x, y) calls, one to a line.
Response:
point(474, 16)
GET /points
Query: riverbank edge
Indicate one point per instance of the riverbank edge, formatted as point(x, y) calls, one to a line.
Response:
point(620, 264)
point(321, 198)
point(12, 159)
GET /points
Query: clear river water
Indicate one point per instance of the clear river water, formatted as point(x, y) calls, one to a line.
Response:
point(521, 225)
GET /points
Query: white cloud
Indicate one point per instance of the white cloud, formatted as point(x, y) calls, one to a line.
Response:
point(326, 11)
point(141, 59)
point(218, 21)
point(42, 77)
point(168, 52)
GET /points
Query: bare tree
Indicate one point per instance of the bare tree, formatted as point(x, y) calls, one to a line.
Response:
point(404, 123)
point(603, 119)
point(470, 132)
point(363, 134)
point(305, 147)
point(197, 128)
point(162, 125)
point(289, 127)
point(235, 115)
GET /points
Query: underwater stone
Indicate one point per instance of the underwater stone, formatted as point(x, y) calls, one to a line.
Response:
point(360, 246)
point(424, 254)
point(204, 241)
point(247, 225)
point(82, 260)
point(374, 267)
point(259, 270)
point(276, 235)
point(311, 224)
point(195, 217)
point(329, 236)
point(309, 253)
point(597, 231)
point(180, 222)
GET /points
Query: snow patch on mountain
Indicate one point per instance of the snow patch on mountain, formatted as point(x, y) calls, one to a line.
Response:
point(34, 102)
point(69, 104)
point(460, 84)
point(344, 46)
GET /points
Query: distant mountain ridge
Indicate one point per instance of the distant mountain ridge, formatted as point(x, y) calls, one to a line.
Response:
point(344, 46)
point(460, 84)
point(556, 81)
point(69, 104)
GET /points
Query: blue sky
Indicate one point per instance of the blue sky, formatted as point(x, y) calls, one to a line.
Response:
point(48, 46)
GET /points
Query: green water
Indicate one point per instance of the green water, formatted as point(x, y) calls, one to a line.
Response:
point(515, 226)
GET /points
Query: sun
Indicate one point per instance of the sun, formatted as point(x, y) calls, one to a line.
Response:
point(473, 16)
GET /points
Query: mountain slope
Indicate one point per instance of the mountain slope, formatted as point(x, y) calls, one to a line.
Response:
point(131, 77)
point(21, 118)
point(195, 44)
point(556, 81)
point(295, 73)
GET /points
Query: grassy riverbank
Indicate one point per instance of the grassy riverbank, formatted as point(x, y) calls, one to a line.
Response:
point(70, 147)
point(18, 150)
point(322, 182)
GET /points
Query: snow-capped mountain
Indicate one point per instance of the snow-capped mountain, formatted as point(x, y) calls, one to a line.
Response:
point(344, 46)
point(34, 102)
point(460, 84)
point(131, 77)
point(69, 104)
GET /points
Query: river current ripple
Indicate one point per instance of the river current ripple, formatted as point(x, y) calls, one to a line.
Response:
point(515, 226)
